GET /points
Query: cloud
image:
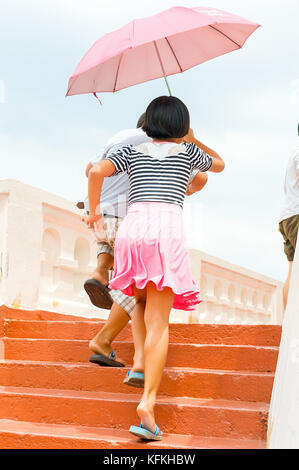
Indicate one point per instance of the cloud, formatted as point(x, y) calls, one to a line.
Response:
point(2, 91)
point(56, 170)
point(239, 212)
point(237, 238)
point(100, 16)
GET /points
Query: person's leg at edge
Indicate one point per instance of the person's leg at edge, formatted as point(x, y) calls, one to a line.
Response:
point(289, 230)
point(156, 317)
point(287, 285)
point(117, 320)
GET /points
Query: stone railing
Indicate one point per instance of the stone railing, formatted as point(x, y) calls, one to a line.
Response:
point(46, 253)
point(232, 294)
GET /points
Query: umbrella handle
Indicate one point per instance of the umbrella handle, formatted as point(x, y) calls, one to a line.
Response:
point(163, 70)
point(167, 84)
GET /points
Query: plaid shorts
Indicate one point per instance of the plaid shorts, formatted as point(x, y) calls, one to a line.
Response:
point(105, 237)
point(106, 229)
point(104, 247)
point(124, 301)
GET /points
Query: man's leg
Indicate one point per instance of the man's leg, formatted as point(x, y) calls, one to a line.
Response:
point(104, 265)
point(105, 234)
point(96, 286)
point(117, 320)
point(287, 285)
point(119, 316)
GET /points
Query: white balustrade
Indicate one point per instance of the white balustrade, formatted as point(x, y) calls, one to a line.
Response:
point(46, 254)
point(232, 294)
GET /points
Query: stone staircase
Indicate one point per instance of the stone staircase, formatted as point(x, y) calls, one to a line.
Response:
point(215, 391)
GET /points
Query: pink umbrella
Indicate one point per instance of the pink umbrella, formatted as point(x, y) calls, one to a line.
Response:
point(164, 44)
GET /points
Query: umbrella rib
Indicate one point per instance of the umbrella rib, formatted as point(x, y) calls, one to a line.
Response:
point(116, 77)
point(223, 34)
point(159, 57)
point(171, 48)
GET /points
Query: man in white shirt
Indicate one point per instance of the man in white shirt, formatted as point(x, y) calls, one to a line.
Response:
point(114, 199)
point(289, 217)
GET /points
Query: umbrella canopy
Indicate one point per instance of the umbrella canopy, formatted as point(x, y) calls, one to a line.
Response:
point(167, 43)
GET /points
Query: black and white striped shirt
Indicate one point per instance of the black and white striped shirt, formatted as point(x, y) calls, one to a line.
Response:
point(159, 172)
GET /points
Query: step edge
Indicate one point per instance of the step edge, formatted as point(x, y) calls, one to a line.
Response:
point(202, 345)
point(96, 431)
point(90, 366)
point(134, 398)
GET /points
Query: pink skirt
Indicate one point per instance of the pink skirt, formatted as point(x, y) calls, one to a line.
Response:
point(151, 245)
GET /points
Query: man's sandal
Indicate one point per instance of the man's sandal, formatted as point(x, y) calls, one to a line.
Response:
point(98, 293)
point(106, 361)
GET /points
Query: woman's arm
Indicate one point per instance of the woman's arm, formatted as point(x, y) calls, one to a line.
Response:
point(96, 177)
point(218, 164)
point(197, 184)
point(87, 169)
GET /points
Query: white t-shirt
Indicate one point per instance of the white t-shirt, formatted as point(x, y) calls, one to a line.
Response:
point(115, 189)
point(291, 188)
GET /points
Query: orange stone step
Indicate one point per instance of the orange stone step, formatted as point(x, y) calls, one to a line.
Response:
point(215, 356)
point(197, 383)
point(174, 415)
point(21, 314)
point(27, 435)
point(256, 335)
point(214, 392)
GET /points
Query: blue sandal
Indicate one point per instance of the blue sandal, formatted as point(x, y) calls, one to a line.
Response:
point(144, 433)
point(135, 379)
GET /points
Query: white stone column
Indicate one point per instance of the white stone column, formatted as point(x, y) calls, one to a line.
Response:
point(3, 245)
point(283, 425)
point(21, 246)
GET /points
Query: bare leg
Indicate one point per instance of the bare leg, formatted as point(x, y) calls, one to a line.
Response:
point(117, 320)
point(138, 329)
point(139, 334)
point(287, 285)
point(104, 264)
point(157, 310)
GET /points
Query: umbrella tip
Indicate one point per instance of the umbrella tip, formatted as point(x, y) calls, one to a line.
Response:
point(96, 96)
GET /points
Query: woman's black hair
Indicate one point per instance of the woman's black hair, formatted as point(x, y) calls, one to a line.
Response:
point(166, 117)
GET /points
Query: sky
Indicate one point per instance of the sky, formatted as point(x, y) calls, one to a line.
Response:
point(245, 105)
